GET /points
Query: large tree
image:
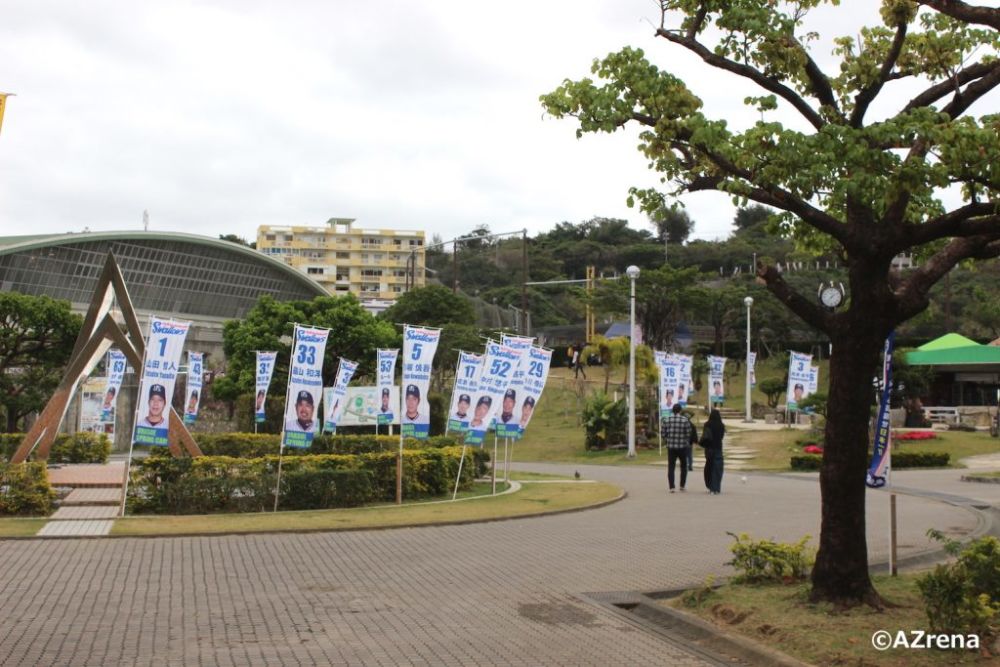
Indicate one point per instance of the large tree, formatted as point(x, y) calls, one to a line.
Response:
point(845, 180)
point(36, 339)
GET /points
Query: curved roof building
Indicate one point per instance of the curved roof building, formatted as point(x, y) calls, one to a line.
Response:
point(167, 273)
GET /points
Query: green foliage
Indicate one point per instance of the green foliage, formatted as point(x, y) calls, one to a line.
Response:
point(964, 596)
point(696, 597)
point(757, 561)
point(80, 447)
point(25, 490)
point(36, 338)
point(773, 388)
point(901, 460)
point(818, 402)
point(208, 484)
point(605, 421)
point(434, 305)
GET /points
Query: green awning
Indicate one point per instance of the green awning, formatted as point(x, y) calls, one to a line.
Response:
point(968, 354)
point(947, 342)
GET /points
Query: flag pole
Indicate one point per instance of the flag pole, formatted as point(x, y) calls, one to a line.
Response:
point(494, 466)
point(281, 442)
point(459, 476)
point(135, 419)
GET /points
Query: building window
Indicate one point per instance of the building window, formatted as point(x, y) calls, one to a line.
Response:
point(314, 270)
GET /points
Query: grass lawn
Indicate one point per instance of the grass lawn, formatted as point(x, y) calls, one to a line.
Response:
point(532, 499)
point(17, 527)
point(781, 617)
point(960, 444)
point(985, 475)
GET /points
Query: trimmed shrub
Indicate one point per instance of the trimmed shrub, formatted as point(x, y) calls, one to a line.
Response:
point(605, 421)
point(964, 596)
point(900, 460)
point(25, 490)
point(80, 447)
point(763, 560)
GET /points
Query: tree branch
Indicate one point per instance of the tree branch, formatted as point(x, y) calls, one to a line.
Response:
point(939, 90)
point(809, 311)
point(969, 220)
point(988, 16)
point(966, 98)
point(865, 96)
point(912, 292)
point(755, 75)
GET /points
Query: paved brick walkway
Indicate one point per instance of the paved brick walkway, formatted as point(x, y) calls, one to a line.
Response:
point(504, 593)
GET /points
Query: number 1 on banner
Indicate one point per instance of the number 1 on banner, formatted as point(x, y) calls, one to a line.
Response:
point(163, 346)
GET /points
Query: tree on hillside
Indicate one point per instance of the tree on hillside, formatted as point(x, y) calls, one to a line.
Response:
point(239, 240)
point(432, 306)
point(720, 305)
point(864, 188)
point(673, 226)
point(36, 339)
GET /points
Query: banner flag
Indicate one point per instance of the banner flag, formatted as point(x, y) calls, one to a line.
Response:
point(813, 380)
point(156, 387)
point(386, 373)
point(362, 406)
point(465, 386)
point(335, 397)
point(305, 386)
point(668, 366)
point(492, 384)
point(419, 346)
point(539, 360)
point(753, 369)
point(880, 467)
point(799, 366)
point(506, 423)
point(685, 363)
point(265, 369)
point(195, 362)
point(716, 379)
point(116, 373)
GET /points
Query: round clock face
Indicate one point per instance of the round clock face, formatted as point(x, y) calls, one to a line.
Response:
point(830, 296)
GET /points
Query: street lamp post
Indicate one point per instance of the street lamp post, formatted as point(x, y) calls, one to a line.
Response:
point(748, 302)
point(632, 272)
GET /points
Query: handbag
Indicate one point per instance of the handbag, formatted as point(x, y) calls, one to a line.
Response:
point(706, 437)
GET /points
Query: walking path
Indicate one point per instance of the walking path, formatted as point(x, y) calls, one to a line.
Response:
point(514, 592)
point(92, 504)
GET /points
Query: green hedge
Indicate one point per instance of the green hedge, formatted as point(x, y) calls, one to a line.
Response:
point(210, 484)
point(25, 490)
point(900, 460)
point(81, 447)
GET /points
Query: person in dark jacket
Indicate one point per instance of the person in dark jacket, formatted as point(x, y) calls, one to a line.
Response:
point(711, 440)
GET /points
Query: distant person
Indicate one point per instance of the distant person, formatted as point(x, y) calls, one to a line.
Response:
point(479, 416)
point(507, 407)
point(157, 402)
point(412, 415)
point(711, 440)
point(578, 361)
point(305, 408)
point(527, 408)
point(678, 434)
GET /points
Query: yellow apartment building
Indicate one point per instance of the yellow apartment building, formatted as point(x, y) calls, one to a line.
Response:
point(370, 263)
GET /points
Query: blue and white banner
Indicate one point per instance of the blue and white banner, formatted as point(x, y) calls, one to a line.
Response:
point(684, 364)
point(386, 373)
point(305, 386)
point(494, 378)
point(538, 359)
point(116, 372)
point(879, 470)
point(752, 369)
point(363, 406)
point(813, 380)
point(335, 397)
point(465, 385)
point(799, 369)
point(419, 346)
point(265, 369)
point(159, 373)
point(506, 422)
point(193, 391)
point(670, 381)
point(716, 379)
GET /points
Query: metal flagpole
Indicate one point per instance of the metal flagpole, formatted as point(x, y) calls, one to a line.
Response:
point(659, 420)
point(399, 457)
point(135, 419)
point(281, 442)
point(459, 476)
point(506, 466)
point(509, 458)
point(494, 466)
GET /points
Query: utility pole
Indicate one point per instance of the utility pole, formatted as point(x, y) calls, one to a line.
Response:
point(524, 282)
point(454, 278)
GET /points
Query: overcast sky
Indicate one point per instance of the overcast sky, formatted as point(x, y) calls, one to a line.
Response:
point(221, 116)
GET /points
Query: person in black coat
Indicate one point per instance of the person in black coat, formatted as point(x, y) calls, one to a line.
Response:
point(711, 440)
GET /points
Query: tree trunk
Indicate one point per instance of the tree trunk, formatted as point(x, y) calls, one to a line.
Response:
point(840, 574)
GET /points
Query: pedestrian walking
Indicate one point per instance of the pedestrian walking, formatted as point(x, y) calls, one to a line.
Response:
point(678, 434)
point(711, 440)
point(578, 361)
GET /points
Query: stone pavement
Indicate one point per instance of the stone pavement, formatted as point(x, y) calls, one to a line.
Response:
point(503, 593)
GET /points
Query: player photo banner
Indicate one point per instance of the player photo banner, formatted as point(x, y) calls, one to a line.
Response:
point(465, 385)
point(335, 398)
point(538, 361)
point(419, 346)
point(753, 369)
point(879, 468)
point(799, 369)
point(716, 379)
point(193, 391)
point(492, 389)
point(116, 373)
point(265, 369)
point(669, 368)
point(685, 386)
point(305, 386)
point(156, 387)
point(507, 422)
point(386, 372)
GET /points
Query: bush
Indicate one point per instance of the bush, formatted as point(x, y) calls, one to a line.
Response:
point(251, 445)
point(764, 560)
point(773, 388)
point(964, 596)
point(900, 460)
point(81, 447)
point(605, 421)
point(209, 484)
point(25, 490)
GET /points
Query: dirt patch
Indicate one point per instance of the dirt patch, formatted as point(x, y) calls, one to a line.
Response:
point(728, 615)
